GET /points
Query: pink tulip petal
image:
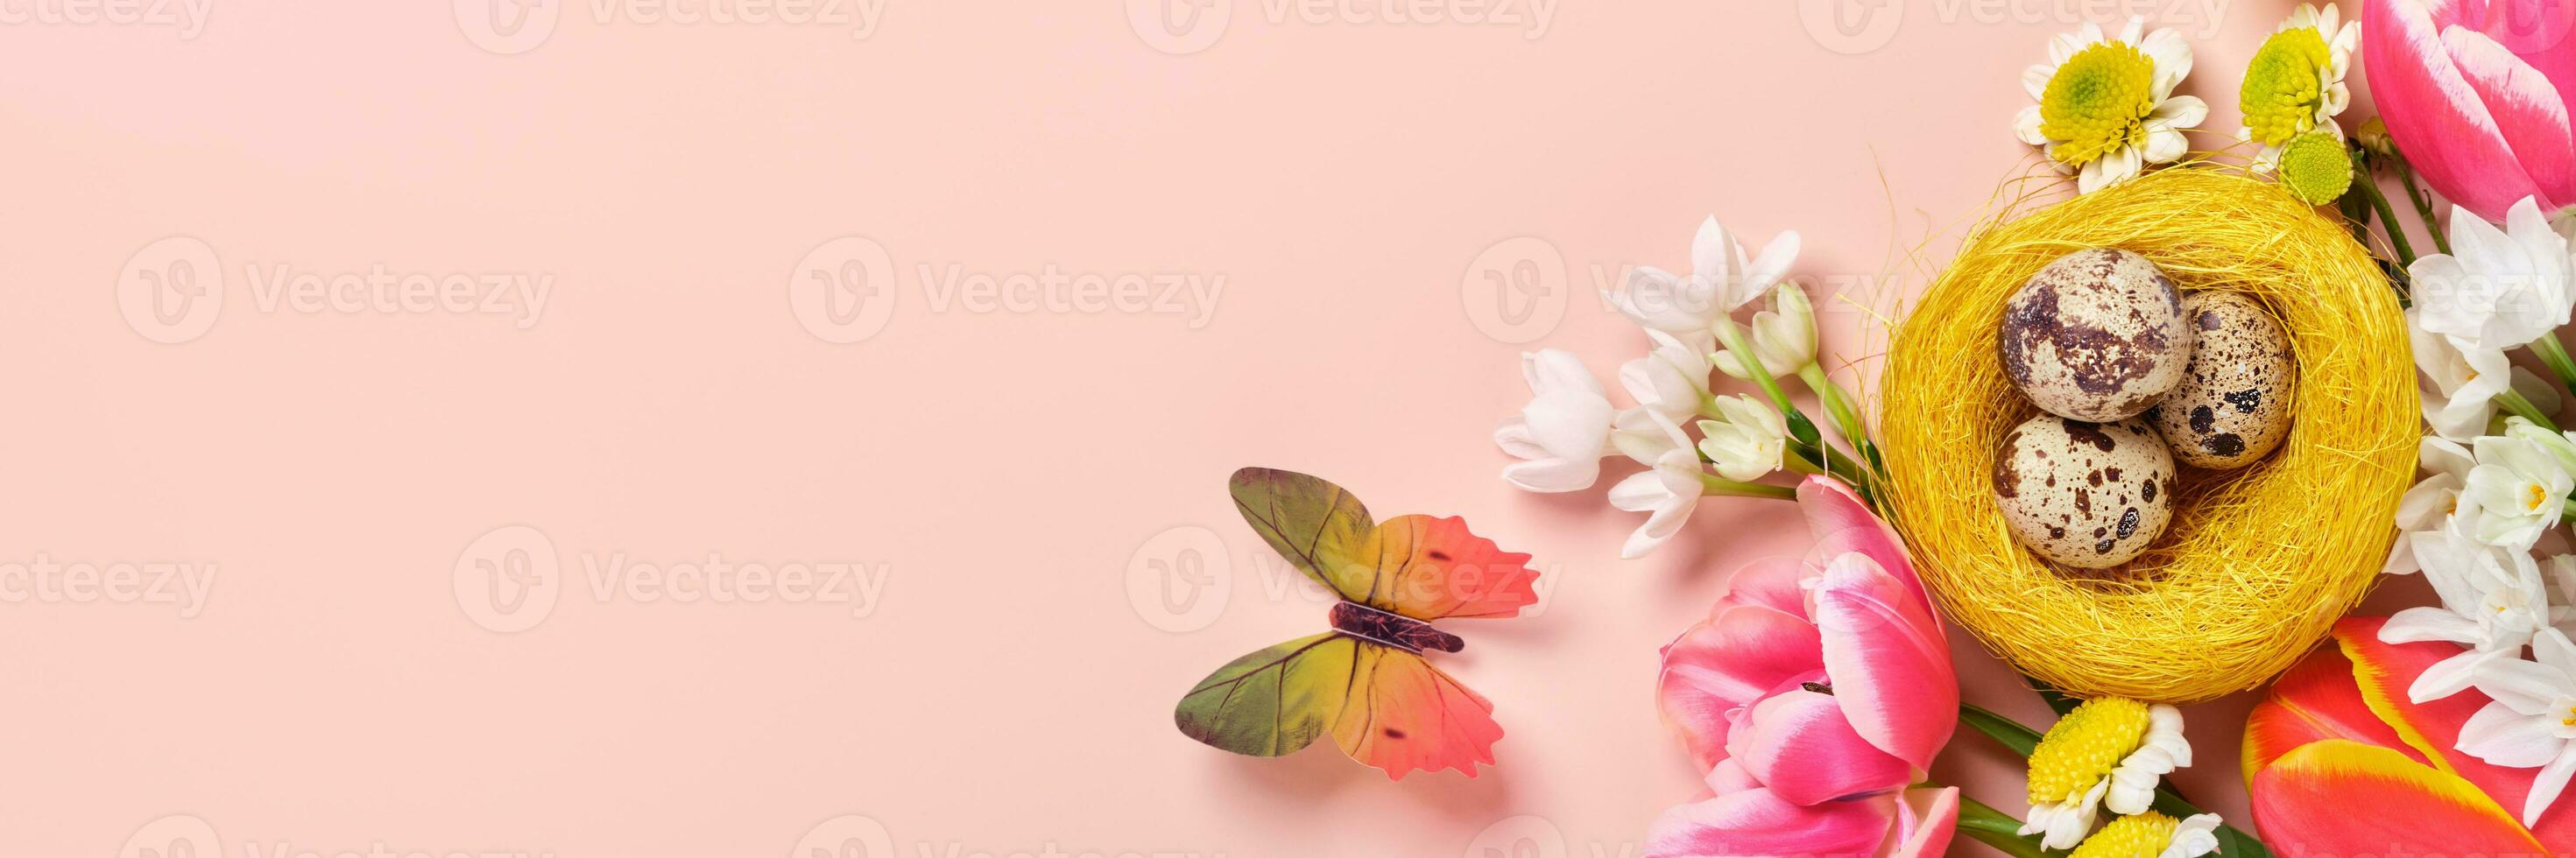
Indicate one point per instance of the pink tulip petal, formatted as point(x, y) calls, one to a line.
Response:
point(1758, 822)
point(1925, 820)
point(1730, 777)
point(1842, 524)
point(2529, 112)
point(2433, 113)
point(1771, 582)
point(1802, 747)
point(2540, 32)
point(1888, 660)
point(1744, 654)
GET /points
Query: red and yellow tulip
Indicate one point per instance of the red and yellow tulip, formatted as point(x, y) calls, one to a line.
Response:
point(2339, 761)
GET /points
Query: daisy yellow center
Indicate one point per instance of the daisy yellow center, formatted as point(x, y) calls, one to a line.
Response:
point(2098, 102)
point(2317, 169)
point(2142, 836)
point(2084, 747)
point(2282, 92)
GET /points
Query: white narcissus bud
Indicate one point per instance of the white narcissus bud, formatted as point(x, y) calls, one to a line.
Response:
point(1784, 336)
point(1748, 442)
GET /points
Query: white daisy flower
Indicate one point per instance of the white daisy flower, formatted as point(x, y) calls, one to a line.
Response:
point(2106, 106)
point(2109, 752)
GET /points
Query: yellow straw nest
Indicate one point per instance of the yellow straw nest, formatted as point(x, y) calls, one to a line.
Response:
point(2258, 562)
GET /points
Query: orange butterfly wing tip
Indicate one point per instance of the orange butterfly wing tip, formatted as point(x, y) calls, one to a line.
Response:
point(1407, 715)
point(1448, 571)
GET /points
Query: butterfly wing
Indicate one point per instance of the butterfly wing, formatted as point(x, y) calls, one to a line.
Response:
point(1274, 701)
point(1434, 568)
point(1418, 566)
point(1404, 714)
point(1310, 521)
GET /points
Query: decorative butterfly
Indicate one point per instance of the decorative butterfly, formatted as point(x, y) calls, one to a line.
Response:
point(1365, 681)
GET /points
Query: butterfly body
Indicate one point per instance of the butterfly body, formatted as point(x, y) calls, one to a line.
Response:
point(1366, 682)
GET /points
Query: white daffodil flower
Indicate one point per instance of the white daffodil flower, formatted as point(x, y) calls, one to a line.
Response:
point(1721, 280)
point(2561, 572)
point(2498, 288)
point(2433, 503)
point(2106, 105)
point(2492, 603)
point(2520, 491)
point(1561, 435)
point(1747, 442)
point(2532, 721)
point(1784, 336)
point(1666, 492)
point(1672, 379)
point(2465, 381)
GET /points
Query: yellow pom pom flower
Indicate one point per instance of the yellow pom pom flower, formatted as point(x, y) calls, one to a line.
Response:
point(2315, 167)
point(2295, 83)
point(2153, 835)
point(2106, 106)
point(2108, 752)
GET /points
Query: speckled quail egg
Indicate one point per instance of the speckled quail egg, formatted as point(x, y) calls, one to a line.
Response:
point(2233, 405)
point(2089, 495)
point(2097, 335)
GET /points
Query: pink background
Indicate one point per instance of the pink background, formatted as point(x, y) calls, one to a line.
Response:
point(1023, 481)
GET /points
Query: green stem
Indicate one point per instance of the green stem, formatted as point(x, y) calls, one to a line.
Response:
point(2521, 407)
point(2369, 184)
point(1732, 335)
point(1791, 460)
point(1712, 484)
point(2554, 353)
point(2423, 203)
point(1993, 828)
point(1846, 420)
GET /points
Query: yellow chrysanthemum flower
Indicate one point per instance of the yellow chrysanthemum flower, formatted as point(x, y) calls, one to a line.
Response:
point(2107, 752)
point(2152, 835)
point(2295, 83)
point(2105, 106)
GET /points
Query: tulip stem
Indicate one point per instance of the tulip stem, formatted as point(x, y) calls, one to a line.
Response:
point(1712, 484)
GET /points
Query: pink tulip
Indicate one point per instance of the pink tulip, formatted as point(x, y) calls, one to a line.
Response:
point(1813, 694)
point(2476, 94)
